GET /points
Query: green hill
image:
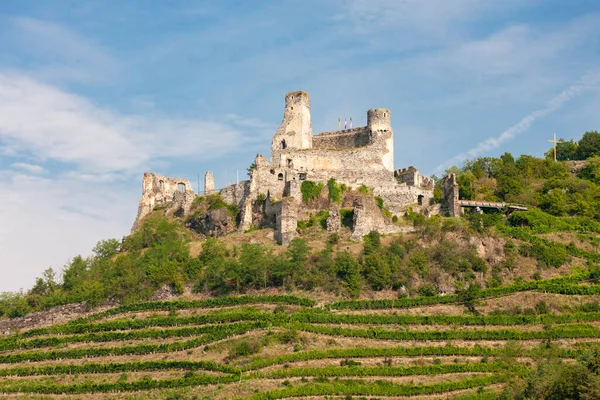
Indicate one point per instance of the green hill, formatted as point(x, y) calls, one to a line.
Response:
point(478, 307)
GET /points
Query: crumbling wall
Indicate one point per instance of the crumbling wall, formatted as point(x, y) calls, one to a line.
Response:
point(368, 217)
point(159, 189)
point(235, 194)
point(450, 195)
point(334, 221)
point(286, 220)
point(411, 177)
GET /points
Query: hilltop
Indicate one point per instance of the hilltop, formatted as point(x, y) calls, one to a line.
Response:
point(490, 304)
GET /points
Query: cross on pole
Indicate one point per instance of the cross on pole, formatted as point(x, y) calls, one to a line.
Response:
point(555, 142)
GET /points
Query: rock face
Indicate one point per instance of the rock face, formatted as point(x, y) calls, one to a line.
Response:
point(56, 315)
point(213, 223)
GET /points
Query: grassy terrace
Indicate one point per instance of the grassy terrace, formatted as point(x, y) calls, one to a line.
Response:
point(236, 349)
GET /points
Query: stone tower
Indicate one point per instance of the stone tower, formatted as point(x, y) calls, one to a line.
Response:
point(209, 183)
point(380, 126)
point(295, 131)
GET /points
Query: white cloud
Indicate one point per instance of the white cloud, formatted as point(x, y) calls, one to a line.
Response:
point(46, 221)
point(31, 168)
point(49, 123)
point(67, 55)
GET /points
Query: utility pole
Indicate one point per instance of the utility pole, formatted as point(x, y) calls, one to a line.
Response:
point(555, 142)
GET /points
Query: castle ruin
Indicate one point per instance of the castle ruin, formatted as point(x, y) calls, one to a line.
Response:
point(354, 157)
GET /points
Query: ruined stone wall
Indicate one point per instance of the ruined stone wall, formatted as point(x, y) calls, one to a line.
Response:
point(286, 220)
point(411, 177)
point(236, 193)
point(346, 139)
point(368, 217)
point(159, 189)
point(450, 195)
point(396, 198)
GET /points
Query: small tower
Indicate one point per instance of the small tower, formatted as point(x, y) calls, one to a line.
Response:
point(295, 131)
point(209, 183)
point(379, 119)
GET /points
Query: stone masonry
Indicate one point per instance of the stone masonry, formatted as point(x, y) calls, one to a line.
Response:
point(158, 189)
point(354, 157)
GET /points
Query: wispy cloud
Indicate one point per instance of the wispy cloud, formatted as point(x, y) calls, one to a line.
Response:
point(589, 81)
point(48, 123)
point(31, 168)
point(63, 54)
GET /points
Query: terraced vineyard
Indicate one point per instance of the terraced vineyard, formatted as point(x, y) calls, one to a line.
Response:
point(274, 347)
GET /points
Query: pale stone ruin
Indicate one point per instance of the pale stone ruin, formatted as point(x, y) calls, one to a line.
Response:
point(272, 196)
point(177, 193)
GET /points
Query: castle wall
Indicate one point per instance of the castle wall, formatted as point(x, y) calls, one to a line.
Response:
point(411, 177)
point(159, 189)
point(342, 140)
point(368, 217)
point(235, 194)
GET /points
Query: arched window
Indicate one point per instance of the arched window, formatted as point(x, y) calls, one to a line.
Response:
point(420, 199)
point(289, 163)
point(283, 144)
point(181, 187)
point(280, 176)
point(161, 185)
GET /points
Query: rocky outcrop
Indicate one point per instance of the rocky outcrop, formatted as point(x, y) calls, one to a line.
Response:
point(213, 223)
point(53, 316)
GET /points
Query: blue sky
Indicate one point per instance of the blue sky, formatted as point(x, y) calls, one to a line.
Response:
point(94, 93)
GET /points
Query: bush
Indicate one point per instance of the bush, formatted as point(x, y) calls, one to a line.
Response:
point(310, 190)
point(334, 191)
point(363, 189)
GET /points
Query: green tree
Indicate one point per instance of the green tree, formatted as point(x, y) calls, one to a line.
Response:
point(565, 150)
point(106, 248)
point(589, 145)
point(554, 202)
point(75, 274)
point(348, 270)
point(591, 171)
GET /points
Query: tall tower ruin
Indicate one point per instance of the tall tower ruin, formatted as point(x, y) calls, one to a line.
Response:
point(209, 183)
point(295, 131)
point(380, 125)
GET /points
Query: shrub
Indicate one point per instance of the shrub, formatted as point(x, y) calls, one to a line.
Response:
point(334, 191)
point(310, 190)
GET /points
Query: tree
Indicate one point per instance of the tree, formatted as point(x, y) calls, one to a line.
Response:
point(591, 171)
point(554, 203)
point(75, 273)
point(348, 270)
point(589, 145)
point(106, 248)
point(565, 150)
